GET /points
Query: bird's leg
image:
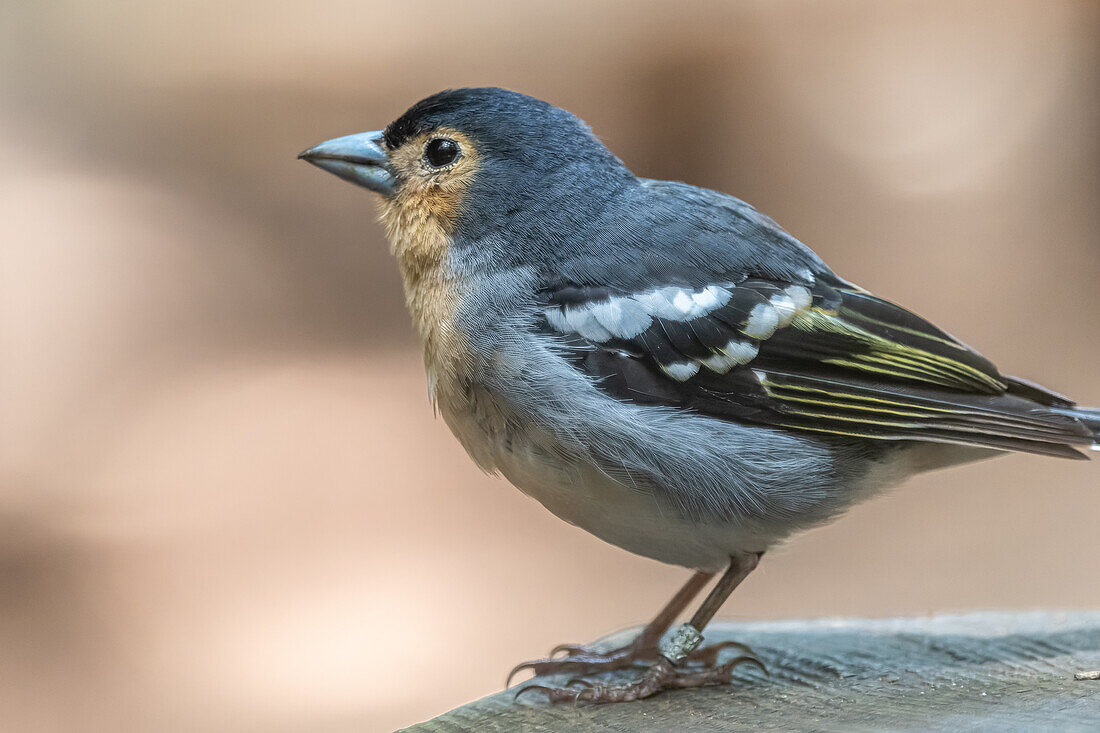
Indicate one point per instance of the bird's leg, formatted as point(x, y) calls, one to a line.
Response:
point(668, 672)
point(585, 660)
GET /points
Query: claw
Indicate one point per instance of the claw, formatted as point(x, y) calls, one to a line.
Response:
point(708, 655)
point(568, 649)
point(578, 681)
point(518, 668)
point(558, 694)
point(746, 659)
point(587, 663)
point(535, 688)
point(538, 666)
point(548, 666)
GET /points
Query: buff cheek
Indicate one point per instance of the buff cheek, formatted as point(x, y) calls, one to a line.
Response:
point(419, 221)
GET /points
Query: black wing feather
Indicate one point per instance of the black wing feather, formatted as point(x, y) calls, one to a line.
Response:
point(839, 361)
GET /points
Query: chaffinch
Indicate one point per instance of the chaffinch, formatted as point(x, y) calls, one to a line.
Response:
point(662, 364)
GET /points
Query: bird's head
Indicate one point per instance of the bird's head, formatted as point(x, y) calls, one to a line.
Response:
point(475, 161)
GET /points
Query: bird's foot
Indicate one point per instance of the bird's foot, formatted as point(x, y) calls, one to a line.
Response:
point(585, 660)
point(663, 675)
point(582, 660)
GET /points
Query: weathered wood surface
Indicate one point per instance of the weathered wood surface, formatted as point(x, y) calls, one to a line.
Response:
point(973, 672)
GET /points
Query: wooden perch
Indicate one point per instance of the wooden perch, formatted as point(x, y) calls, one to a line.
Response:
point(982, 671)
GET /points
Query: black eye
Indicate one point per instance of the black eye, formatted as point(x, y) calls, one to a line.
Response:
point(440, 152)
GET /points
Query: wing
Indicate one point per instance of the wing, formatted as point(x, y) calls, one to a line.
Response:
point(814, 354)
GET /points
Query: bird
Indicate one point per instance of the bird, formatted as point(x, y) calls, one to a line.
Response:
point(662, 365)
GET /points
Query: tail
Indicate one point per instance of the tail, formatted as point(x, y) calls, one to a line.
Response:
point(1090, 416)
point(1086, 420)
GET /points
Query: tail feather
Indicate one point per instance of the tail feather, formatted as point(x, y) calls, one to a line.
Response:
point(1089, 416)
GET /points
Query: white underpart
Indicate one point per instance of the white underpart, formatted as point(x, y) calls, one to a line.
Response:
point(622, 317)
point(620, 514)
point(681, 371)
point(762, 322)
point(614, 509)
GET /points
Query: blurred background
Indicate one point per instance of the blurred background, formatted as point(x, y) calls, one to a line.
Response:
point(224, 502)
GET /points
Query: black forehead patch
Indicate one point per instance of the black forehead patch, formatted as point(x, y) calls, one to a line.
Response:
point(427, 114)
point(471, 110)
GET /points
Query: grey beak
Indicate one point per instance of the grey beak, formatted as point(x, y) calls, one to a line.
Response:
point(356, 158)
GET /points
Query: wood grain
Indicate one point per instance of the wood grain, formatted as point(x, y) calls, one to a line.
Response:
point(983, 671)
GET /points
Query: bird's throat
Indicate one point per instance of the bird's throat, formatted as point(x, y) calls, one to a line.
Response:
point(418, 238)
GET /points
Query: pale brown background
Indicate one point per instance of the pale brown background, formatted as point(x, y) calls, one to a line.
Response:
point(224, 502)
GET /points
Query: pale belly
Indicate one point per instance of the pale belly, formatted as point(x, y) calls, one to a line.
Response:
point(629, 518)
point(632, 518)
